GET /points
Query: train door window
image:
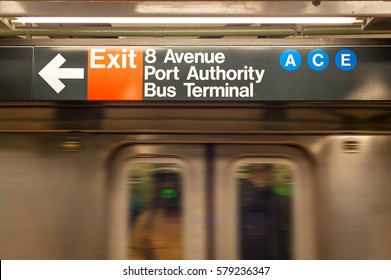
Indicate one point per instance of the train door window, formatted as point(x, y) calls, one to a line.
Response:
point(265, 220)
point(155, 211)
point(264, 203)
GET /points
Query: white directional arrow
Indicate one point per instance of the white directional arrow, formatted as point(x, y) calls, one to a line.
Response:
point(52, 73)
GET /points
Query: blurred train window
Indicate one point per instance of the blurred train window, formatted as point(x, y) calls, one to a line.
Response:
point(155, 219)
point(265, 210)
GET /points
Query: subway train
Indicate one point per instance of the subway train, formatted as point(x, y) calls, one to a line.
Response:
point(283, 178)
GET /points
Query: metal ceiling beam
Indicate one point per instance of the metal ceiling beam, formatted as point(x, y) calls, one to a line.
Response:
point(5, 22)
point(194, 8)
point(150, 32)
point(173, 31)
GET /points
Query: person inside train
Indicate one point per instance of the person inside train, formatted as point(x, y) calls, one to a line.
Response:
point(256, 213)
point(265, 215)
point(135, 202)
point(157, 234)
point(283, 215)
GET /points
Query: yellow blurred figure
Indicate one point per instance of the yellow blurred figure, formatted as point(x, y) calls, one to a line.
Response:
point(157, 233)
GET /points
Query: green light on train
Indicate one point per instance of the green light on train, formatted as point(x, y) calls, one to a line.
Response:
point(168, 193)
point(283, 190)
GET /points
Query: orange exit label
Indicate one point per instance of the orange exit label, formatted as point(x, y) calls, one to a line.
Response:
point(115, 74)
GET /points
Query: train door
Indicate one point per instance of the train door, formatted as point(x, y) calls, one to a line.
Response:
point(185, 201)
point(157, 205)
point(264, 203)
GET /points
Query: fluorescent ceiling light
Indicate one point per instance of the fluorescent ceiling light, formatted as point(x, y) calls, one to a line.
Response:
point(192, 20)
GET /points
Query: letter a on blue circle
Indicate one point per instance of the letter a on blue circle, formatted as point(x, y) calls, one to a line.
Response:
point(290, 60)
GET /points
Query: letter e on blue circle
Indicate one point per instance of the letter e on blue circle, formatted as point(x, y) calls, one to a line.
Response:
point(346, 60)
point(290, 60)
point(318, 60)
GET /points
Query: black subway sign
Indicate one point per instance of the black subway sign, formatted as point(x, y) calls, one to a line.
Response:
point(16, 73)
point(199, 73)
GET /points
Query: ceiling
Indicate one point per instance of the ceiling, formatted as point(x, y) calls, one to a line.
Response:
point(374, 16)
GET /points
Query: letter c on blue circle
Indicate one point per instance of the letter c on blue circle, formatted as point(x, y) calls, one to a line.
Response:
point(290, 60)
point(346, 60)
point(318, 60)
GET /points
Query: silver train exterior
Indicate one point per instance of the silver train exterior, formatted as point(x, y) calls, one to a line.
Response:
point(63, 173)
